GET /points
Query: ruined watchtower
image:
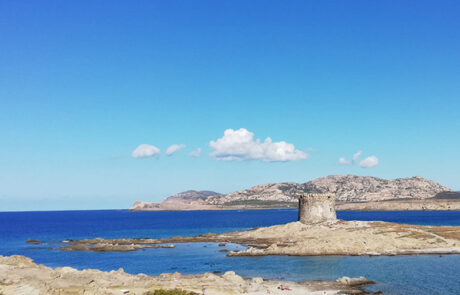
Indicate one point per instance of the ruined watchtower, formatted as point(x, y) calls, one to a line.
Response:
point(316, 208)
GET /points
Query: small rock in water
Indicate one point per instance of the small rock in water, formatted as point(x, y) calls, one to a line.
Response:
point(32, 241)
point(354, 281)
point(168, 246)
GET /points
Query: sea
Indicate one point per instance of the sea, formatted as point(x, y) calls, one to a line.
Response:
point(415, 274)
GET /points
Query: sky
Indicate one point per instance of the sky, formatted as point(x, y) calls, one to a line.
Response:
point(103, 103)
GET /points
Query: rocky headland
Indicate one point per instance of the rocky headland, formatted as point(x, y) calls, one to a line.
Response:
point(19, 275)
point(351, 192)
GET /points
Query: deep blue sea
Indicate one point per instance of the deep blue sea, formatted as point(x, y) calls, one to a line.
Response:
point(420, 274)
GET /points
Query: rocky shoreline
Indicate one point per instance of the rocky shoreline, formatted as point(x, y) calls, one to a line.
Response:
point(330, 238)
point(19, 275)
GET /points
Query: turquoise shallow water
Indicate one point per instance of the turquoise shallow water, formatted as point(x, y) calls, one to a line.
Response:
point(421, 274)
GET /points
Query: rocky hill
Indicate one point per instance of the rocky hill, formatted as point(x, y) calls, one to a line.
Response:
point(265, 195)
point(188, 200)
point(347, 189)
point(352, 188)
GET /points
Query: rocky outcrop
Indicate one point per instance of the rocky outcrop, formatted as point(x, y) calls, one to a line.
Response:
point(19, 275)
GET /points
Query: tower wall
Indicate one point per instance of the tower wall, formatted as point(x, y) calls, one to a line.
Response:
point(316, 208)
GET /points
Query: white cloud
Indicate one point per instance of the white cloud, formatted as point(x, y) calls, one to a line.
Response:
point(240, 145)
point(369, 162)
point(343, 161)
point(174, 148)
point(357, 155)
point(196, 153)
point(145, 151)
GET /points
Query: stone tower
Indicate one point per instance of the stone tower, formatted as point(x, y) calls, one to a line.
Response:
point(316, 208)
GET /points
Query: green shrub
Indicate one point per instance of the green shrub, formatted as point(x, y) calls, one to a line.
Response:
point(170, 292)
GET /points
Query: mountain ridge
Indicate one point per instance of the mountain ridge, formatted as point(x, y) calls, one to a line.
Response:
point(347, 189)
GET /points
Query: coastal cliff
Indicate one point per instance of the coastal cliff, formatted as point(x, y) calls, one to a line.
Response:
point(348, 189)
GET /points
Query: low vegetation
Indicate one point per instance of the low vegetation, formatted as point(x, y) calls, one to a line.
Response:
point(170, 292)
point(262, 204)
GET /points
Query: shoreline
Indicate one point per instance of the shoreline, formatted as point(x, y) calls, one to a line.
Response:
point(20, 275)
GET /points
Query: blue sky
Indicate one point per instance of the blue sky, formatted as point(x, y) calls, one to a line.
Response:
point(84, 83)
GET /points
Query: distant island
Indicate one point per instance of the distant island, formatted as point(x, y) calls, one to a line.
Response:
point(352, 192)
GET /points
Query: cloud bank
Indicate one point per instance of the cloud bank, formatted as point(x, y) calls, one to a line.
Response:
point(240, 145)
point(145, 151)
point(174, 148)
